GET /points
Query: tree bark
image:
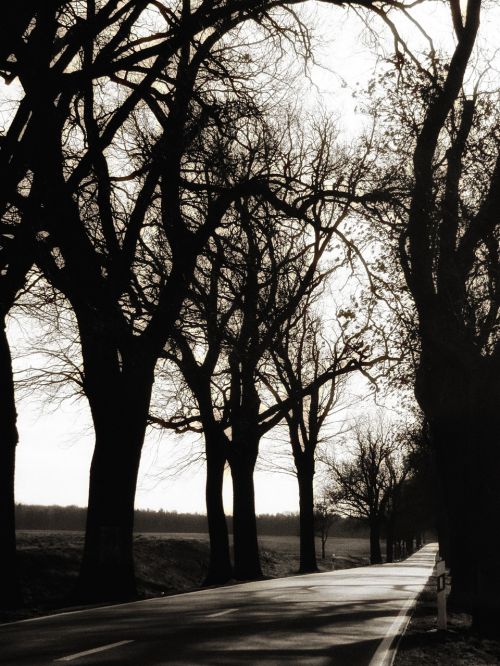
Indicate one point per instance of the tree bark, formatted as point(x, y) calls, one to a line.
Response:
point(389, 540)
point(10, 592)
point(107, 570)
point(119, 390)
point(246, 546)
point(375, 552)
point(305, 477)
point(219, 568)
point(464, 420)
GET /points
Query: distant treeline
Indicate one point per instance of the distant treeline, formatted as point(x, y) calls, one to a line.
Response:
point(34, 517)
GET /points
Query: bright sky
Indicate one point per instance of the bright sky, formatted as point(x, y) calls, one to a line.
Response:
point(55, 447)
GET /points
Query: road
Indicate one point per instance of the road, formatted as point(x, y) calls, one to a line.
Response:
point(347, 617)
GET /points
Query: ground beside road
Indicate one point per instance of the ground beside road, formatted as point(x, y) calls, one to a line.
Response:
point(165, 564)
point(423, 645)
point(340, 618)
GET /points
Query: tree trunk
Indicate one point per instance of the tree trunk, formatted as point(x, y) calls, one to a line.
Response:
point(119, 391)
point(10, 593)
point(464, 419)
point(107, 570)
point(308, 562)
point(246, 546)
point(443, 531)
point(375, 552)
point(389, 540)
point(219, 568)
point(475, 543)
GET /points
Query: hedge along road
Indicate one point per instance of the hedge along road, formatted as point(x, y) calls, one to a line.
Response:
point(347, 617)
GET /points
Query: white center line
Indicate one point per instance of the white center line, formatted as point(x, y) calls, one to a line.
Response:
point(224, 612)
point(93, 651)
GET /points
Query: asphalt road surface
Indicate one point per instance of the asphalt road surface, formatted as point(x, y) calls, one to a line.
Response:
point(342, 618)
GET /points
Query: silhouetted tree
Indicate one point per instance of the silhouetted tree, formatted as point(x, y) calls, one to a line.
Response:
point(100, 220)
point(92, 90)
point(323, 517)
point(447, 140)
point(246, 297)
point(362, 484)
point(27, 45)
point(302, 356)
point(235, 314)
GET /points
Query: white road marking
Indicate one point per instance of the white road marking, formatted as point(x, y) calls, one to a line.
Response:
point(224, 612)
point(386, 651)
point(93, 651)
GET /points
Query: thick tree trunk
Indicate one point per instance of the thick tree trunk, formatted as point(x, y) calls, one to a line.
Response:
point(475, 543)
point(246, 546)
point(375, 552)
point(219, 569)
point(443, 533)
point(10, 593)
point(119, 391)
point(305, 478)
point(107, 570)
point(461, 404)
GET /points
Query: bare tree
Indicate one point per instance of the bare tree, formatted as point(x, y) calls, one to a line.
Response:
point(241, 288)
point(25, 48)
point(448, 227)
point(302, 357)
point(97, 218)
point(251, 291)
point(362, 485)
point(99, 195)
point(324, 518)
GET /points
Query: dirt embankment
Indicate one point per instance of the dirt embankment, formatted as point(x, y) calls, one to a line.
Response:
point(165, 564)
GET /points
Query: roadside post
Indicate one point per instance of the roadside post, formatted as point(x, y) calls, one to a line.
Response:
point(441, 594)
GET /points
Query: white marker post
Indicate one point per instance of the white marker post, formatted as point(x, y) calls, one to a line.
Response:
point(441, 595)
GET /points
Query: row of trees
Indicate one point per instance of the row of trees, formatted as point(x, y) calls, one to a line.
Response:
point(187, 220)
point(446, 149)
point(72, 518)
point(146, 181)
point(385, 476)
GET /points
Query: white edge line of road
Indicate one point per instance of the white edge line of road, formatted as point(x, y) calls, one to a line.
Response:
point(102, 648)
point(224, 612)
point(386, 651)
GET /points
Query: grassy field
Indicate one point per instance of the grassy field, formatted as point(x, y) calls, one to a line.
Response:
point(165, 564)
point(350, 548)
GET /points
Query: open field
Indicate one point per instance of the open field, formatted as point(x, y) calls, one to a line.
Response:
point(280, 554)
point(165, 563)
point(343, 547)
